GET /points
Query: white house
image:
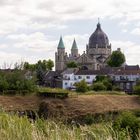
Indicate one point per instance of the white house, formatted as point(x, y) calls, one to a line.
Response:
point(72, 76)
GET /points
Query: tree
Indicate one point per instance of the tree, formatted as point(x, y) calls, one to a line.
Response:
point(98, 86)
point(72, 64)
point(27, 66)
point(116, 59)
point(40, 75)
point(137, 88)
point(81, 86)
point(105, 80)
point(50, 64)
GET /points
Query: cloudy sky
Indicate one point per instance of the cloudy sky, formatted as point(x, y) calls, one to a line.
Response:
point(30, 29)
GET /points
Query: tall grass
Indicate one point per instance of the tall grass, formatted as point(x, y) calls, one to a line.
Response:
point(13, 127)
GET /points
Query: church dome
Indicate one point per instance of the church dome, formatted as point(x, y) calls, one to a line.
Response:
point(98, 38)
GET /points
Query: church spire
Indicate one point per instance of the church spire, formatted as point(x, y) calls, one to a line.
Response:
point(74, 45)
point(74, 49)
point(98, 25)
point(61, 44)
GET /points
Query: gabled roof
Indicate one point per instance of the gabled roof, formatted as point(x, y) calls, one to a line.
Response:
point(127, 72)
point(51, 75)
point(69, 71)
point(90, 72)
point(74, 45)
point(61, 44)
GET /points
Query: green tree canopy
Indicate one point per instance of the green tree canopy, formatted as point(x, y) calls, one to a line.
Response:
point(50, 64)
point(44, 64)
point(72, 64)
point(116, 59)
point(81, 86)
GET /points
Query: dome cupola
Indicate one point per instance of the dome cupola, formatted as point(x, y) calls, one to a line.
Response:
point(98, 38)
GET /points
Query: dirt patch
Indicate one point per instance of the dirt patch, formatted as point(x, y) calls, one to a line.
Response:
point(88, 104)
point(72, 107)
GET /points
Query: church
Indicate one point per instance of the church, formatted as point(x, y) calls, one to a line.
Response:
point(95, 56)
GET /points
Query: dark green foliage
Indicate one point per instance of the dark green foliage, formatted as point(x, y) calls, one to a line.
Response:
point(116, 88)
point(50, 64)
point(108, 85)
point(89, 119)
point(81, 86)
point(102, 83)
point(15, 81)
point(40, 68)
point(40, 73)
point(101, 78)
point(98, 86)
point(45, 65)
point(116, 59)
point(31, 67)
point(72, 64)
point(137, 88)
point(128, 120)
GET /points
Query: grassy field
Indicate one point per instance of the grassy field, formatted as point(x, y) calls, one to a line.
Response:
point(14, 128)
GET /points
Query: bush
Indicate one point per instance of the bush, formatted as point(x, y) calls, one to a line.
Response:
point(128, 120)
point(99, 86)
point(107, 82)
point(137, 89)
point(15, 81)
point(81, 86)
point(116, 88)
point(108, 85)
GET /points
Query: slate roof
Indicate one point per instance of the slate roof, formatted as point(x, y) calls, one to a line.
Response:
point(132, 67)
point(51, 75)
point(90, 72)
point(69, 71)
point(98, 38)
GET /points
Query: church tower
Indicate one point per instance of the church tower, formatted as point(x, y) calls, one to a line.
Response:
point(74, 49)
point(60, 56)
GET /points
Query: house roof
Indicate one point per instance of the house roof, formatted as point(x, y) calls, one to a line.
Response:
point(51, 75)
point(132, 67)
point(127, 72)
point(90, 72)
point(69, 71)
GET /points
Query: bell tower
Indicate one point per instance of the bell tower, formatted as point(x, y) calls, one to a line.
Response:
point(60, 56)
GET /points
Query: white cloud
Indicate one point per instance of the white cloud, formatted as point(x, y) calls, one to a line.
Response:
point(136, 31)
point(25, 23)
point(35, 42)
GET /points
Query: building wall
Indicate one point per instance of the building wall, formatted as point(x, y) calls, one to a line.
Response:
point(70, 79)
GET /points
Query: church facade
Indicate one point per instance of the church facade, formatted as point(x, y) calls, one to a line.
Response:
point(94, 57)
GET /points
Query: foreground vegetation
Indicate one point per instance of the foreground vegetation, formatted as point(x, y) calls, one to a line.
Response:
point(20, 128)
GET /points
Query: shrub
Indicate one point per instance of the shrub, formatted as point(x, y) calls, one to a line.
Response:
point(137, 89)
point(16, 81)
point(128, 120)
point(107, 84)
point(81, 86)
point(99, 86)
point(116, 88)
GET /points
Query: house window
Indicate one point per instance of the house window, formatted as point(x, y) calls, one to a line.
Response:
point(66, 83)
point(79, 77)
point(88, 77)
